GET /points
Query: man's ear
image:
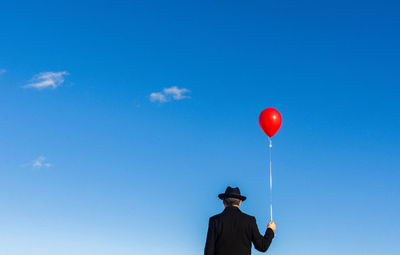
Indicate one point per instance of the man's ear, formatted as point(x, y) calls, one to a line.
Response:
point(240, 202)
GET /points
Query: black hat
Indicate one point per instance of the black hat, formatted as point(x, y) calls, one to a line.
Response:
point(232, 193)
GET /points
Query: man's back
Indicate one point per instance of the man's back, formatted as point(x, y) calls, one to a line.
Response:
point(232, 232)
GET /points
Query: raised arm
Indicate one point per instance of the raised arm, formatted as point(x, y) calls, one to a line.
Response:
point(211, 237)
point(261, 243)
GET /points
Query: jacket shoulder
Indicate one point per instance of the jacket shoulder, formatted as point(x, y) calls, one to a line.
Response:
point(215, 217)
point(248, 216)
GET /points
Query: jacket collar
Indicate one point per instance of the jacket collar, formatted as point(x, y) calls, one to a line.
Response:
point(231, 209)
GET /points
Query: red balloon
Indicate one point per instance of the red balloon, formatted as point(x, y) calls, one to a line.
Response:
point(270, 121)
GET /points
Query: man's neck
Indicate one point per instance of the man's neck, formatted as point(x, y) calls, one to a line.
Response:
point(234, 206)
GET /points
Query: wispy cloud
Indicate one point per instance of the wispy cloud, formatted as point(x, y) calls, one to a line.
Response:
point(158, 96)
point(2, 71)
point(47, 80)
point(168, 94)
point(40, 162)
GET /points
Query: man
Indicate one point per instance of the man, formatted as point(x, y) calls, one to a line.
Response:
point(232, 232)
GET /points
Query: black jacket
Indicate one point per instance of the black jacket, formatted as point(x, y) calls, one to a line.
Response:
point(232, 232)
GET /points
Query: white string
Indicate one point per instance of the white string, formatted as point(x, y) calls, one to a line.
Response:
point(270, 174)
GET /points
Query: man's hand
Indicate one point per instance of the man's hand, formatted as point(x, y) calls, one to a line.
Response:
point(271, 225)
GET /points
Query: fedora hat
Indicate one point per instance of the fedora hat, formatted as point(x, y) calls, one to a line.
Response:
point(232, 193)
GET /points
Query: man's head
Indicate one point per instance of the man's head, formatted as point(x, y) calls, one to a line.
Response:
point(231, 202)
point(232, 197)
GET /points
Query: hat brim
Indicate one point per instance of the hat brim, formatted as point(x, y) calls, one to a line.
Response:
point(223, 195)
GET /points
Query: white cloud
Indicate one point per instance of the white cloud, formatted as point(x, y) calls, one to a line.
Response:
point(168, 94)
point(176, 93)
point(158, 96)
point(41, 162)
point(47, 80)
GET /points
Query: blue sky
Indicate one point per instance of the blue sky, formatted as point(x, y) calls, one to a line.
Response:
point(121, 121)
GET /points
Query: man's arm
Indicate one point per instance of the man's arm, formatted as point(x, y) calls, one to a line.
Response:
point(261, 243)
point(211, 237)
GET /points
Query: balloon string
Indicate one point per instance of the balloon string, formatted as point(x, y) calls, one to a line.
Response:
point(270, 174)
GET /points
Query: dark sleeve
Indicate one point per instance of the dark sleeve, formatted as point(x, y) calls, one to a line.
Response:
point(261, 243)
point(211, 237)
